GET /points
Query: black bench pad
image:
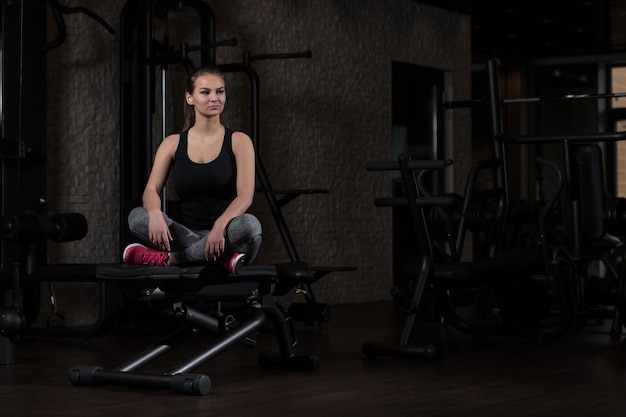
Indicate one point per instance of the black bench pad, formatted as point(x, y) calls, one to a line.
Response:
point(296, 271)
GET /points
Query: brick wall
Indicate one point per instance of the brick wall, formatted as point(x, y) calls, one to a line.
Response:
point(321, 120)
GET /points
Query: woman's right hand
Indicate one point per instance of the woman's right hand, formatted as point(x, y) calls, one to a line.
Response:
point(158, 231)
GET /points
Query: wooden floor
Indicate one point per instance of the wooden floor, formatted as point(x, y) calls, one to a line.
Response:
point(582, 374)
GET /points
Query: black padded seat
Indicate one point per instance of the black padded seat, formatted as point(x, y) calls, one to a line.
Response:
point(191, 275)
point(215, 272)
point(212, 281)
point(200, 280)
point(136, 272)
point(297, 271)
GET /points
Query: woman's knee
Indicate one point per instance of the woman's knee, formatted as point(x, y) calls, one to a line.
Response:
point(243, 228)
point(254, 224)
point(136, 216)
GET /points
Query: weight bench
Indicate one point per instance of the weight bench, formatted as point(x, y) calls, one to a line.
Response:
point(263, 292)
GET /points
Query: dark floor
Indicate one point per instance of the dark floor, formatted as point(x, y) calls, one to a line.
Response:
point(582, 374)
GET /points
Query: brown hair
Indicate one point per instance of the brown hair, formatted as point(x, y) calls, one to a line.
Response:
point(190, 84)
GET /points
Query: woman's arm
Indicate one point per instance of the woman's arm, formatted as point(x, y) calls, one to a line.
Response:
point(159, 233)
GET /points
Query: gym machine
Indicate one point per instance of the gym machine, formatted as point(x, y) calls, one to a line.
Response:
point(579, 226)
point(25, 224)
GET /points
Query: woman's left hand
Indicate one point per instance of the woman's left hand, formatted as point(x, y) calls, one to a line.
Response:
point(214, 245)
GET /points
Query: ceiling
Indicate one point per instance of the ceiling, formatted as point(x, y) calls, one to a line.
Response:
point(519, 29)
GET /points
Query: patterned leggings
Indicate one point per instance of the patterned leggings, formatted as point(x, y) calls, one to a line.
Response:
point(243, 235)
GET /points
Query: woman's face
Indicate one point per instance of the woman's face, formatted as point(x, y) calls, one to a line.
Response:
point(209, 95)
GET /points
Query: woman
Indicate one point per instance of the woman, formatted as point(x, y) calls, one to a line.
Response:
point(213, 173)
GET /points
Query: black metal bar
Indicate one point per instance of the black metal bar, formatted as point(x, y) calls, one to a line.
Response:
point(199, 319)
point(289, 55)
point(469, 191)
point(207, 27)
point(459, 104)
point(187, 383)
point(161, 348)
point(290, 195)
point(233, 336)
point(285, 344)
point(420, 202)
point(412, 165)
point(567, 97)
point(58, 11)
point(495, 107)
point(545, 211)
point(572, 138)
point(421, 234)
point(224, 42)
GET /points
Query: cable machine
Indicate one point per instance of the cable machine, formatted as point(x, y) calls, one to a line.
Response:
point(24, 224)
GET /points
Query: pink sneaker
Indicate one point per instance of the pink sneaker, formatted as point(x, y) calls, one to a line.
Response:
point(138, 254)
point(233, 263)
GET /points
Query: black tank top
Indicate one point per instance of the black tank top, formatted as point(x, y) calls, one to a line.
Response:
point(205, 190)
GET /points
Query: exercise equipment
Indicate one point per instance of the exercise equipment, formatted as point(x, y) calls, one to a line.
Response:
point(591, 233)
point(58, 11)
point(586, 223)
point(27, 229)
point(22, 145)
point(541, 289)
point(448, 279)
point(587, 234)
point(262, 293)
point(409, 293)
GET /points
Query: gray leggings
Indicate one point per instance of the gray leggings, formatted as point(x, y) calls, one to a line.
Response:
point(243, 235)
